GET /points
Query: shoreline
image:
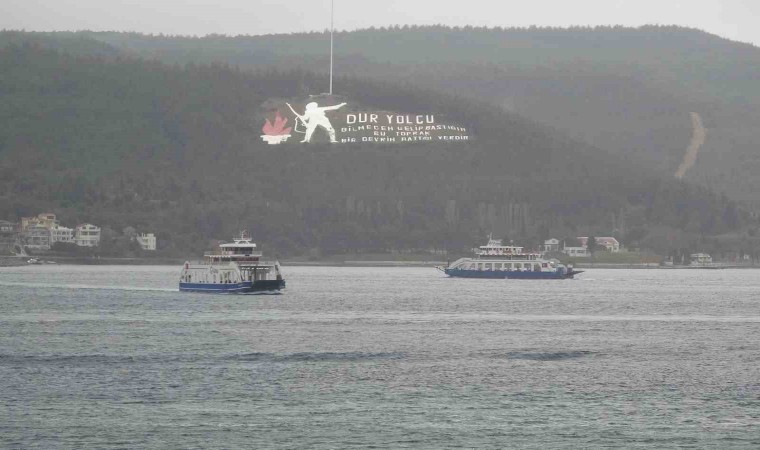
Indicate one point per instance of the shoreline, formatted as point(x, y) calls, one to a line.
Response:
point(19, 261)
point(16, 261)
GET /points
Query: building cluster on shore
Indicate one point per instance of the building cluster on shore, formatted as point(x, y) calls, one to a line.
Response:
point(43, 231)
point(553, 245)
point(611, 245)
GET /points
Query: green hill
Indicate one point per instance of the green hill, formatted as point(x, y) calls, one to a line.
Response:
point(177, 150)
point(630, 91)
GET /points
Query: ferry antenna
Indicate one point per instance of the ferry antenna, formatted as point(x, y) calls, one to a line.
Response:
point(332, 31)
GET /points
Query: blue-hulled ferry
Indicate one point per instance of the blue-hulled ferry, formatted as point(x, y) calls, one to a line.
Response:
point(496, 260)
point(236, 268)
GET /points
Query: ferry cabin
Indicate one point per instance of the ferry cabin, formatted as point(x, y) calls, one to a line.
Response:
point(247, 258)
point(234, 263)
point(525, 266)
point(229, 273)
point(495, 256)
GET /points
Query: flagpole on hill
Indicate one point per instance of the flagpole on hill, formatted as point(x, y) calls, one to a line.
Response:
point(332, 30)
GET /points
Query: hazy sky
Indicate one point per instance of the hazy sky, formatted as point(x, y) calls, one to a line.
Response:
point(734, 19)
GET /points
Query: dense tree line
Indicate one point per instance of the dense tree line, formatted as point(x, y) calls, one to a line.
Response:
point(122, 141)
point(626, 90)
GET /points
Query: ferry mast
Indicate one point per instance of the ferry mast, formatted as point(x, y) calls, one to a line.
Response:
point(332, 31)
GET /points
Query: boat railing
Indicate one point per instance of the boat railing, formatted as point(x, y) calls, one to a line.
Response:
point(229, 254)
point(499, 252)
point(257, 263)
point(227, 263)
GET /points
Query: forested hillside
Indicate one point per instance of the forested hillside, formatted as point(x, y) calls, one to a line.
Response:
point(627, 91)
point(177, 150)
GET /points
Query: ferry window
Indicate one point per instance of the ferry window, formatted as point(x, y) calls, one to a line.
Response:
point(480, 266)
point(518, 266)
point(488, 266)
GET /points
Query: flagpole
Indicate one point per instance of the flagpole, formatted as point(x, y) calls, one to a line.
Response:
point(332, 30)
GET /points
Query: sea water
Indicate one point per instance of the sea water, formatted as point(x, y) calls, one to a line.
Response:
point(115, 357)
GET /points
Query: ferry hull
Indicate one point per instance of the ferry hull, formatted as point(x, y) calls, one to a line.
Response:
point(245, 288)
point(487, 274)
point(511, 275)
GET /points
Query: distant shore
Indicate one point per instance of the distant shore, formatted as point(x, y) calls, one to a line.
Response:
point(16, 261)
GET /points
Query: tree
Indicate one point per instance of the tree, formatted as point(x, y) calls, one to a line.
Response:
point(591, 245)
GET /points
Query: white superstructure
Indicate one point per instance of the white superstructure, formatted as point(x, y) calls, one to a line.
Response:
point(495, 256)
point(234, 267)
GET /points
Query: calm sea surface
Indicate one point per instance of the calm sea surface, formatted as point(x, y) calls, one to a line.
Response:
point(115, 357)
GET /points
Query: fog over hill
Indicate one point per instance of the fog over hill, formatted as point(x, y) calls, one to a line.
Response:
point(628, 91)
point(178, 150)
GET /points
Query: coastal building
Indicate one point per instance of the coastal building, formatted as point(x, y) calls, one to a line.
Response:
point(608, 243)
point(551, 246)
point(37, 237)
point(147, 241)
point(576, 252)
point(7, 228)
point(701, 259)
point(87, 235)
point(8, 237)
point(61, 234)
point(47, 220)
point(554, 245)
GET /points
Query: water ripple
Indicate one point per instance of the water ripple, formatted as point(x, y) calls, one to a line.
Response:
point(548, 356)
point(316, 357)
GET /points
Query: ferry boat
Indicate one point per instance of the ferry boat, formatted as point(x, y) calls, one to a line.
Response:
point(496, 260)
point(236, 268)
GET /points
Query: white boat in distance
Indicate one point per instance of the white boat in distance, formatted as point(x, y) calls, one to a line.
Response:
point(496, 260)
point(236, 268)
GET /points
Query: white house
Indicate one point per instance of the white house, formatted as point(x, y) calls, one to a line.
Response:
point(608, 243)
point(147, 241)
point(577, 252)
point(61, 234)
point(551, 245)
point(701, 259)
point(87, 235)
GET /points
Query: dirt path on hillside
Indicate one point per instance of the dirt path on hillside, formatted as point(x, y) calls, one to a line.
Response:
point(697, 141)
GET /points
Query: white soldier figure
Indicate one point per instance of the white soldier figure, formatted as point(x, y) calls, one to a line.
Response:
point(314, 117)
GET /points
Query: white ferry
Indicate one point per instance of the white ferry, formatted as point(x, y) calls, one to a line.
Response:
point(236, 268)
point(496, 260)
